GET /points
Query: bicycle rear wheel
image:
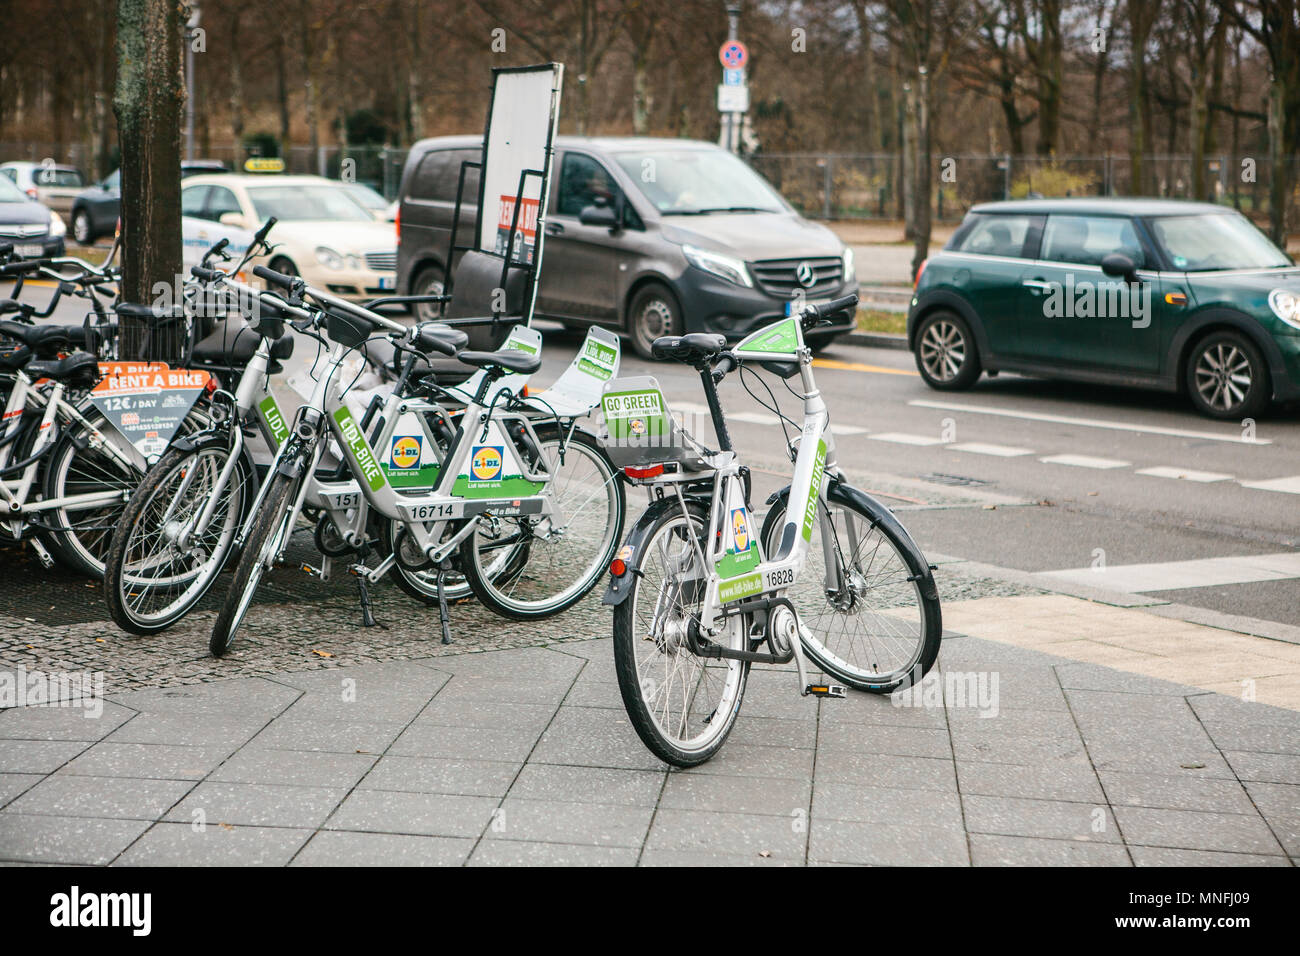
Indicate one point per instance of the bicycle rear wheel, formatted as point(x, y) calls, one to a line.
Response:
point(526, 567)
point(682, 706)
point(269, 533)
point(150, 581)
point(868, 611)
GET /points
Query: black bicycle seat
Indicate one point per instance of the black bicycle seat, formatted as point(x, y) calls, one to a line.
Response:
point(80, 369)
point(688, 348)
point(440, 338)
point(37, 337)
point(10, 305)
point(158, 313)
point(511, 360)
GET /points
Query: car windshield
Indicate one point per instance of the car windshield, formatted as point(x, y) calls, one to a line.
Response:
point(52, 176)
point(366, 196)
point(114, 180)
point(9, 192)
point(1214, 241)
point(299, 203)
point(695, 182)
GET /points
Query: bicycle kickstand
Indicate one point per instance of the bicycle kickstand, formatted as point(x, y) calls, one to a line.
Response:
point(443, 616)
point(367, 616)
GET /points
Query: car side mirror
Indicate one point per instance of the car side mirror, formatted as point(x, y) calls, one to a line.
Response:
point(1119, 266)
point(234, 219)
point(598, 216)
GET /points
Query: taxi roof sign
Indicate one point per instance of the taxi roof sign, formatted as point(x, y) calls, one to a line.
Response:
point(263, 164)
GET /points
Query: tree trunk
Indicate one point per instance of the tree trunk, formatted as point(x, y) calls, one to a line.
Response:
point(922, 175)
point(236, 79)
point(414, 88)
point(148, 104)
point(908, 159)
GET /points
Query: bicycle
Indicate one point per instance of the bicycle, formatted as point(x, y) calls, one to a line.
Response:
point(501, 499)
point(698, 597)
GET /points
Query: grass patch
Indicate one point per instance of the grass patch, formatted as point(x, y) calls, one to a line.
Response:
point(880, 320)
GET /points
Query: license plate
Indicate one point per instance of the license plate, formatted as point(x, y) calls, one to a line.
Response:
point(388, 282)
point(30, 252)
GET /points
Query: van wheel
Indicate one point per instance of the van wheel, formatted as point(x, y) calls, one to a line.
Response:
point(81, 228)
point(428, 281)
point(1227, 377)
point(946, 354)
point(654, 312)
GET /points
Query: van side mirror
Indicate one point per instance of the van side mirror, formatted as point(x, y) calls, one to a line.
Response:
point(1119, 266)
point(598, 216)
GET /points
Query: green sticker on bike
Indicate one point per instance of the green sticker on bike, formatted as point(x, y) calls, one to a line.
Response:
point(274, 420)
point(810, 509)
point(356, 441)
point(738, 588)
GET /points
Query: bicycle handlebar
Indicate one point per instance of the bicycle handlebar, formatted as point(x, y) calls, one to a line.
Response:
point(811, 314)
point(24, 266)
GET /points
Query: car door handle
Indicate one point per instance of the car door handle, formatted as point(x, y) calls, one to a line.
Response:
point(554, 229)
point(1038, 285)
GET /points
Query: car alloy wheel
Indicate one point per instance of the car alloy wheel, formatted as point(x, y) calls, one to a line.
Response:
point(81, 228)
point(943, 350)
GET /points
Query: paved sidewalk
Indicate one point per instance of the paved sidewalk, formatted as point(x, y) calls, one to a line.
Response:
point(525, 756)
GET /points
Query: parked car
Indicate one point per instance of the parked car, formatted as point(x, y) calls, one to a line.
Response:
point(1162, 294)
point(647, 236)
point(95, 211)
point(321, 232)
point(375, 203)
point(35, 231)
point(51, 184)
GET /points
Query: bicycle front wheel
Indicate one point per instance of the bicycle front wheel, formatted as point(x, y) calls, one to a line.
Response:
point(682, 706)
point(151, 581)
point(530, 566)
point(868, 611)
point(267, 537)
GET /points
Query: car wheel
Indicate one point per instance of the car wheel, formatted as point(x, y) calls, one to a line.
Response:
point(654, 312)
point(428, 281)
point(283, 265)
point(1227, 377)
point(946, 354)
point(81, 228)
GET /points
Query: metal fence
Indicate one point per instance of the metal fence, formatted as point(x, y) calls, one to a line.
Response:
point(842, 185)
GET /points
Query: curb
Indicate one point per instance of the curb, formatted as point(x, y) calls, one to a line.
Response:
point(875, 340)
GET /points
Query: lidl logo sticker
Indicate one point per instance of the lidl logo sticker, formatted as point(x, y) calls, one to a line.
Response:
point(740, 529)
point(637, 426)
point(485, 463)
point(406, 451)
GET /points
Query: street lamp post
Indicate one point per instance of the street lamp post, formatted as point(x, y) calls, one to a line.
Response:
point(191, 25)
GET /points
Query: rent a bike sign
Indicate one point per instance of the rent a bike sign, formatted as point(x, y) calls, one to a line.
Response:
point(147, 401)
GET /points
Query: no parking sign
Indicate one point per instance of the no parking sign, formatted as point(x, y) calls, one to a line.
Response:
point(733, 55)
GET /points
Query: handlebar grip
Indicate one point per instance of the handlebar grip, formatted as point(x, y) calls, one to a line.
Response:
point(261, 234)
point(726, 364)
point(841, 304)
point(6, 248)
point(206, 274)
point(275, 278)
point(26, 265)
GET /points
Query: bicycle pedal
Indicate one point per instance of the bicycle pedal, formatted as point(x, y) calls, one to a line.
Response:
point(316, 572)
point(825, 690)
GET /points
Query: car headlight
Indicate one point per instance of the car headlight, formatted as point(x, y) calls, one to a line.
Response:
point(849, 273)
point(57, 226)
point(1286, 306)
point(724, 267)
point(329, 258)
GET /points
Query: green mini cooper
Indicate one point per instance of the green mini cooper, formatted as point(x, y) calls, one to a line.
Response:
point(1141, 292)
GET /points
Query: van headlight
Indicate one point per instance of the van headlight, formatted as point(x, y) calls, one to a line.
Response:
point(849, 269)
point(724, 267)
point(1286, 306)
point(57, 226)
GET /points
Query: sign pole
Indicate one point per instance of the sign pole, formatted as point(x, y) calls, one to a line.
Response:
point(733, 92)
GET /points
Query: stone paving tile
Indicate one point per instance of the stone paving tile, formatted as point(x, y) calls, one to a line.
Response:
point(1026, 750)
point(1161, 757)
point(177, 728)
point(179, 844)
point(109, 797)
point(61, 723)
point(511, 853)
point(521, 690)
point(1196, 830)
point(480, 778)
point(729, 794)
point(1169, 856)
point(594, 693)
point(38, 756)
point(13, 784)
point(257, 805)
point(1279, 804)
point(750, 760)
point(502, 715)
point(710, 858)
point(163, 761)
point(299, 768)
point(594, 737)
point(886, 844)
point(552, 821)
point(1187, 791)
point(71, 840)
point(733, 834)
point(994, 850)
point(465, 743)
point(841, 801)
point(1047, 819)
point(526, 663)
point(331, 736)
point(1071, 779)
point(1265, 767)
point(249, 696)
point(344, 848)
point(895, 741)
point(1267, 738)
point(431, 814)
point(872, 770)
point(539, 781)
point(773, 732)
point(875, 709)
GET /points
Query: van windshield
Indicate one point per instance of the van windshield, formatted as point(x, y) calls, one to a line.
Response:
point(696, 182)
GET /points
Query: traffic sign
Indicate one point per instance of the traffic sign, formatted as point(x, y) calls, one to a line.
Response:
point(733, 77)
point(733, 54)
point(733, 99)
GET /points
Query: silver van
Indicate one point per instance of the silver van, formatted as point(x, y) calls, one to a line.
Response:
point(646, 236)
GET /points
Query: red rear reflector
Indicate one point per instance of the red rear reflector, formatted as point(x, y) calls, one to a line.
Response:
point(617, 567)
point(526, 392)
point(211, 386)
point(650, 471)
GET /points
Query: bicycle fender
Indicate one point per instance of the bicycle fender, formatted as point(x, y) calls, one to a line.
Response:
point(618, 589)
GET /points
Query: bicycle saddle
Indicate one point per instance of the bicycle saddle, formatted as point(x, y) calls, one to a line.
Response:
point(9, 305)
point(11, 360)
point(510, 360)
point(80, 370)
point(38, 337)
point(159, 313)
point(688, 348)
point(440, 338)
